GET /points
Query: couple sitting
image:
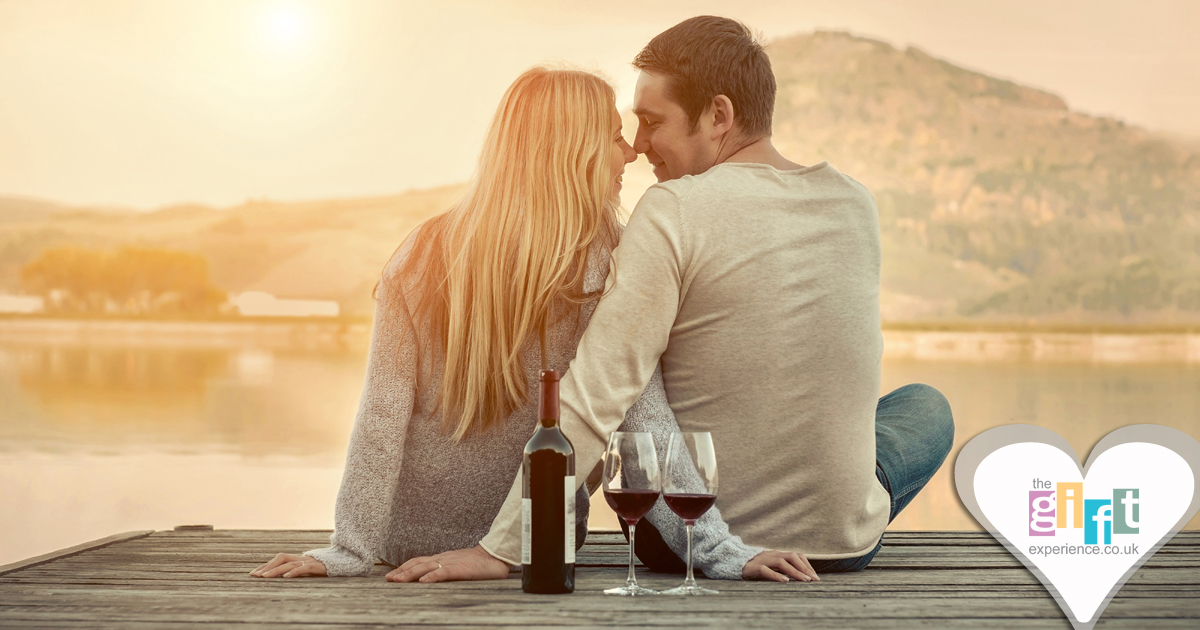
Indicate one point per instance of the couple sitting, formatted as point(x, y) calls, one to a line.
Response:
point(742, 299)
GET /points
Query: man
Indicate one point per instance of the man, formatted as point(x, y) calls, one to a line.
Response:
point(755, 281)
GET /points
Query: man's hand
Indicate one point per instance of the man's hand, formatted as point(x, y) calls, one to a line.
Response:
point(463, 564)
point(779, 566)
point(288, 565)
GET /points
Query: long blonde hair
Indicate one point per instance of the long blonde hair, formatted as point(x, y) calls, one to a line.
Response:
point(509, 258)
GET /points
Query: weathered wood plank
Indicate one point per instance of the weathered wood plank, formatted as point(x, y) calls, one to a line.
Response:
point(500, 609)
point(72, 551)
point(181, 579)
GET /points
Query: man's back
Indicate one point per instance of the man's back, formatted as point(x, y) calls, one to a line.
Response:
point(776, 349)
point(758, 289)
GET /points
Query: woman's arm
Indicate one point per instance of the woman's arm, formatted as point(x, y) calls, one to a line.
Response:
point(715, 550)
point(377, 442)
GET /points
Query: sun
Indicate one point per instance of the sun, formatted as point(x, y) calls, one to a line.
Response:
point(286, 26)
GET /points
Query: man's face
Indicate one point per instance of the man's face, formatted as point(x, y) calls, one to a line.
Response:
point(662, 132)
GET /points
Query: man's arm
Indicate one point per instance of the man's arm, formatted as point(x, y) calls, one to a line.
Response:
point(618, 352)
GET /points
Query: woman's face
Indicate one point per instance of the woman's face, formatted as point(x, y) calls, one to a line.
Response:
point(619, 155)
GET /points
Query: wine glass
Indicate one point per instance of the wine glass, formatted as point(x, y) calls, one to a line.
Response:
point(631, 487)
point(690, 489)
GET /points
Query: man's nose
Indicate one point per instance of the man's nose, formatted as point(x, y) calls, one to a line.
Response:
point(641, 141)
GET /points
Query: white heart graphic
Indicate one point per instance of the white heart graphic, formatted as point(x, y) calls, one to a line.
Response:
point(1010, 479)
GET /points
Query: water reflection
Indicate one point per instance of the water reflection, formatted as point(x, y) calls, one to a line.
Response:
point(250, 400)
point(116, 385)
point(97, 438)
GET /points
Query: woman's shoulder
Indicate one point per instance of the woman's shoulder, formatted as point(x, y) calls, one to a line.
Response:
point(416, 243)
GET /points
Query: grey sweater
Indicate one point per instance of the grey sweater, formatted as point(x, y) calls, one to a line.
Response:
point(409, 491)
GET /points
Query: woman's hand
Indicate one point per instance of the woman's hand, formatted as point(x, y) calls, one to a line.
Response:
point(779, 566)
point(287, 565)
point(463, 564)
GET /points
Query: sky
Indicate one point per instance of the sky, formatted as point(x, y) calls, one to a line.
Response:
point(155, 102)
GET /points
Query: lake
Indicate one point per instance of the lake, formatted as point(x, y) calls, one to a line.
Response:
point(114, 427)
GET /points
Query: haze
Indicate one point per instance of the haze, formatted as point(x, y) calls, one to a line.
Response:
point(117, 102)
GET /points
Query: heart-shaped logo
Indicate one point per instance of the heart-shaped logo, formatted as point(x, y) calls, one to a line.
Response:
point(1082, 531)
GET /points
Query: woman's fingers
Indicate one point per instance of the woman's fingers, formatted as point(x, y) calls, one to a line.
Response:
point(780, 566)
point(281, 569)
point(274, 562)
point(784, 567)
point(766, 573)
point(800, 562)
point(306, 569)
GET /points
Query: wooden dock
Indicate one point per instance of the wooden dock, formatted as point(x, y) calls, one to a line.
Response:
point(199, 579)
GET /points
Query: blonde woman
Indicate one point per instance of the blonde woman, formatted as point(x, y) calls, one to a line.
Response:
point(462, 306)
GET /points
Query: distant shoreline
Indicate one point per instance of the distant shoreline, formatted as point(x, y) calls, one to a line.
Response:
point(231, 319)
point(960, 326)
point(308, 333)
point(955, 342)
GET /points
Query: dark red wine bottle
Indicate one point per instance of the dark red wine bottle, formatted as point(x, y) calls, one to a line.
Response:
point(548, 505)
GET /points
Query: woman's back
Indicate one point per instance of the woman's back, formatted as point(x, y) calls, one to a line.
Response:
point(409, 488)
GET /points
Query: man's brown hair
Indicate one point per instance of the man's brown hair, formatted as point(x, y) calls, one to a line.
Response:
point(704, 56)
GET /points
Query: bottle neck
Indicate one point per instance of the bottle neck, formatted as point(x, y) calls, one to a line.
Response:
point(548, 407)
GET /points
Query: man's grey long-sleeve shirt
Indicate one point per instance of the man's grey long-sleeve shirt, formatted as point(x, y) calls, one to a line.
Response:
point(758, 290)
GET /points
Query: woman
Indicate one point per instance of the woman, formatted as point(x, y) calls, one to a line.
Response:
point(456, 349)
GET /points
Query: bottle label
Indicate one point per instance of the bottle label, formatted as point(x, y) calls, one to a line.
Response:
point(569, 487)
point(527, 531)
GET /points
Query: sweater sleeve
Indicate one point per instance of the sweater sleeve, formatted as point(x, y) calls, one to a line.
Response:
point(376, 446)
point(715, 550)
point(619, 350)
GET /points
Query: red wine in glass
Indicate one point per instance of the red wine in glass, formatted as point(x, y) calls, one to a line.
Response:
point(690, 489)
point(631, 504)
point(631, 486)
point(690, 506)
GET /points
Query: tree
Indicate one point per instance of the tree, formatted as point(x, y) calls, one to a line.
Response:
point(132, 280)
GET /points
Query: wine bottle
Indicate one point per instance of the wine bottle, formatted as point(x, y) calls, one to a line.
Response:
point(548, 505)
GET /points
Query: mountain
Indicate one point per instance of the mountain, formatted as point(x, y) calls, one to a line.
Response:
point(997, 203)
point(26, 209)
point(319, 249)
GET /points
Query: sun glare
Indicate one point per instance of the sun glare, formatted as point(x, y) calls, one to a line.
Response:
point(286, 26)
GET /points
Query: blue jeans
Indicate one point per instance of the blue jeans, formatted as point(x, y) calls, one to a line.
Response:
point(914, 431)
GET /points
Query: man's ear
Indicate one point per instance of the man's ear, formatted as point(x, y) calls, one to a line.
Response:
point(722, 113)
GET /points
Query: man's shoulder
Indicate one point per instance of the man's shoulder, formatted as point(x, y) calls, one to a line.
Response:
point(744, 181)
point(855, 188)
point(727, 186)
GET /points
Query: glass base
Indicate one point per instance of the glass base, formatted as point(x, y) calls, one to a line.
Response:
point(690, 590)
point(630, 591)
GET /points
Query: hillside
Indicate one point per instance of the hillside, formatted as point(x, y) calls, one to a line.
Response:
point(321, 249)
point(997, 203)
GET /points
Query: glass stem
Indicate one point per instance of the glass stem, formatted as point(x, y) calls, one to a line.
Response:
point(631, 580)
point(690, 581)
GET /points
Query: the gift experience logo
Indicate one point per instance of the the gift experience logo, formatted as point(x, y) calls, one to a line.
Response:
point(1061, 508)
